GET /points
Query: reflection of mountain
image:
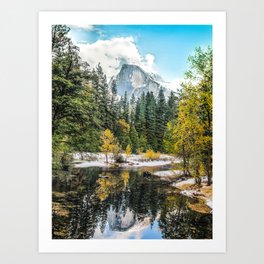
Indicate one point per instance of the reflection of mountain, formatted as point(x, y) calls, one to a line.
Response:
point(133, 80)
point(134, 208)
point(126, 226)
point(120, 221)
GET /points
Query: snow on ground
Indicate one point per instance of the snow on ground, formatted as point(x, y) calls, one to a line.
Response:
point(150, 163)
point(209, 202)
point(168, 173)
point(186, 189)
point(189, 193)
point(188, 181)
point(195, 193)
point(181, 183)
point(88, 156)
point(87, 164)
point(98, 160)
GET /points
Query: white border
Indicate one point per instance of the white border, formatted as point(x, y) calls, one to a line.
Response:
point(218, 20)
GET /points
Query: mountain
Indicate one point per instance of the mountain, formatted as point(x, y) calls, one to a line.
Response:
point(133, 80)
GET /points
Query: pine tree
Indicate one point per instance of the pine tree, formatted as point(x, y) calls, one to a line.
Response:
point(88, 136)
point(161, 119)
point(66, 80)
point(142, 143)
point(172, 106)
point(114, 107)
point(132, 100)
point(132, 109)
point(134, 139)
point(140, 119)
point(125, 107)
point(102, 96)
point(68, 108)
point(150, 113)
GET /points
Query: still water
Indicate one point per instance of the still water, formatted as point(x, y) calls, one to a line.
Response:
point(101, 203)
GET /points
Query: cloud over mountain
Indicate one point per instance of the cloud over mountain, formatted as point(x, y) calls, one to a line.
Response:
point(115, 52)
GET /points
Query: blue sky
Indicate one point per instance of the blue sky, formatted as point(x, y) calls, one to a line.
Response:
point(163, 49)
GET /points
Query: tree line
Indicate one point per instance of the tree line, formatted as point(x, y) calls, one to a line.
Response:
point(85, 108)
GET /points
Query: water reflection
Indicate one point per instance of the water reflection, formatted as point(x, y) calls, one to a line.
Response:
point(97, 204)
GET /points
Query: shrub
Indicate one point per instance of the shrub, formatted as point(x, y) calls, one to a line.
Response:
point(117, 154)
point(119, 159)
point(139, 151)
point(128, 150)
point(152, 155)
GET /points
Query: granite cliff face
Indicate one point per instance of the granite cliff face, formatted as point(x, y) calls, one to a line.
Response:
point(133, 80)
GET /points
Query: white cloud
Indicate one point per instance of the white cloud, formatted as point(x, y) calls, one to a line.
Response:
point(83, 26)
point(174, 85)
point(115, 52)
point(149, 58)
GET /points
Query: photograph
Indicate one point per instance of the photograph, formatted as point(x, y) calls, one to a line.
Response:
point(132, 131)
point(130, 119)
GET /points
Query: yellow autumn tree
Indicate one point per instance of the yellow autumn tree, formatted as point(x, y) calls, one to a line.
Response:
point(128, 150)
point(123, 125)
point(108, 141)
point(190, 135)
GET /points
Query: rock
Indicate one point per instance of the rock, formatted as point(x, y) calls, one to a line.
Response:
point(146, 174)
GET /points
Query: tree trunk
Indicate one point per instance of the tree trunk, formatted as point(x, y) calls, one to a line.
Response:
point(209, 172)
point(185, 169)
point(197, 176)
point(209, 180)
point(106, 157)
point(198, 180)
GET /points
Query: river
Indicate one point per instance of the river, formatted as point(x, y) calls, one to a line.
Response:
point(108, 203)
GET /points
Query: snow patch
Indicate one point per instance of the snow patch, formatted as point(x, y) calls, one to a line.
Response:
point(181, 183)
point(167, 173)
point(98, 160)
point(210, 203)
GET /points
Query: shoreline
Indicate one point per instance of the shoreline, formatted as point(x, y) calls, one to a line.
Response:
point(131, 161)
point(201, 192)
point(186, 186)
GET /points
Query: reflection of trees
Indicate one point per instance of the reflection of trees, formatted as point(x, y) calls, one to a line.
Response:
point(111, 183)
point(123, 198)
point(144, 198)
point(125, 176)
point(178, 222)
point(81, 201)
point(86, 218)
point(104, 187)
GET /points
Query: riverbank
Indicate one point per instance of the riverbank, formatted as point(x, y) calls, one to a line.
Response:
point(202, 192)
point(86, 160)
